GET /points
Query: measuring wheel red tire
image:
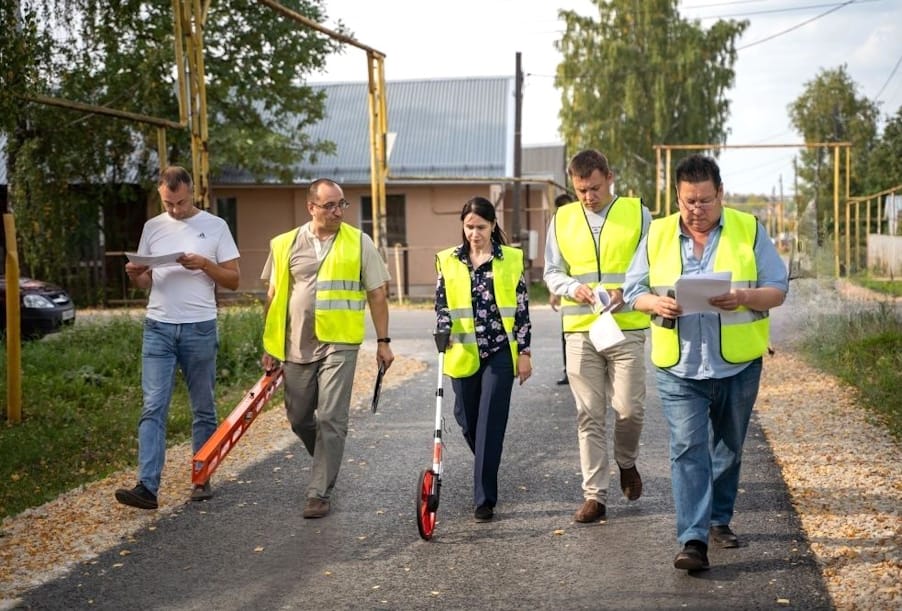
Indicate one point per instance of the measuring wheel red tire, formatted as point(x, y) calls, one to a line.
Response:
point(427, 503)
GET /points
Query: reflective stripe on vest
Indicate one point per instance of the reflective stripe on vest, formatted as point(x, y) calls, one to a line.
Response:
point(340, 297)
point(743, 332)
point(603, 263)
point(462, 357)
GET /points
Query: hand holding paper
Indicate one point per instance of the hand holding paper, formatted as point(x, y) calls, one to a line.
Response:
point(154, 260)
point(694, 291)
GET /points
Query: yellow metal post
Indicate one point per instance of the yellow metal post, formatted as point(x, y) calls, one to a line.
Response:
point(192, 14)
point(667, 197)
point(13, 324)
point(378, 145)
point(857, 236)
point(836, 211)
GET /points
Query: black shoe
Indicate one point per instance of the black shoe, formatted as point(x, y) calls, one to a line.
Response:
point(484, 513)
point(563, 381)
point(694, 557)
point(723, 536)
point(139, 497)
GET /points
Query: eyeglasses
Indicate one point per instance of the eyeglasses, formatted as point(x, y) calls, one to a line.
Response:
point(702, 204)
point(333, 206)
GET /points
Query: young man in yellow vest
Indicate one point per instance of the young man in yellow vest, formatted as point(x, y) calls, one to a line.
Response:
point(589, 246)
point(709, 362)
point(320, 277)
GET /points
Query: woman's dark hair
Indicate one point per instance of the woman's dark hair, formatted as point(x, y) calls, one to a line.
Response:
point(482, 207)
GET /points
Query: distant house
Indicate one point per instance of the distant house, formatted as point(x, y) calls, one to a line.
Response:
point(450, 140)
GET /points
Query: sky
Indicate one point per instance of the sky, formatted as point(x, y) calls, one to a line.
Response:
point(786, 45)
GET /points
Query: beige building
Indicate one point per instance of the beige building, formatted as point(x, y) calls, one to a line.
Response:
point(450, 140)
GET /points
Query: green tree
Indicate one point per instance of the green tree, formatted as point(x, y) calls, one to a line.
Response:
point(642, 75)
point(885, 161)
point(829, 109)
point(121, 55)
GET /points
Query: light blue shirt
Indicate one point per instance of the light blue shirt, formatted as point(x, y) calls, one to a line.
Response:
point(700, 354)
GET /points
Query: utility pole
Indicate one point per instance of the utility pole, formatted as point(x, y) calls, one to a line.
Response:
point(518, 106)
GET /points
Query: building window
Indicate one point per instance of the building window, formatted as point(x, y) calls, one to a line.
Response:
point(396, 224)
point(227, 210)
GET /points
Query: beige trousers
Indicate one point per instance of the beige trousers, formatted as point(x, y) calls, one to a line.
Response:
point(616, 377)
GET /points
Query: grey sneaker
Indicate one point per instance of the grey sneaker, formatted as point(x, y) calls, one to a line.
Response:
point(202, 492)
point(139, 497)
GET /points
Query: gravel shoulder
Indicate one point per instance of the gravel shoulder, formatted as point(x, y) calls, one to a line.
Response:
point(842, 470)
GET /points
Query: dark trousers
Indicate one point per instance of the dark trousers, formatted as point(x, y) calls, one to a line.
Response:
point(481, 406)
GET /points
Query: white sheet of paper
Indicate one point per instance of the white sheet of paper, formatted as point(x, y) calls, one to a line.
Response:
point(694, 291)
point(155, 260)
point(605, 332)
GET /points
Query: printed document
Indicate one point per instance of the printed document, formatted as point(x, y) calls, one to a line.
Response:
point(694, 291)
point(154, 260)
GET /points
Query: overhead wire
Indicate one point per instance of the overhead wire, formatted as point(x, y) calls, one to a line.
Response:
point(797, 26)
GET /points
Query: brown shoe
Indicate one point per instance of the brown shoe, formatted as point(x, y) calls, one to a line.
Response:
point(630, 482)
point(591, 511)
point(316, 507)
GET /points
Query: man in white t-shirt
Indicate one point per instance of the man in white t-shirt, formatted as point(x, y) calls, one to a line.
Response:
point(320, 277)
point(180, 326)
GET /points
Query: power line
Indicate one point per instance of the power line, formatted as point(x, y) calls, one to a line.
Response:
point(795, 27)
point(889, 78)
point(780, 10)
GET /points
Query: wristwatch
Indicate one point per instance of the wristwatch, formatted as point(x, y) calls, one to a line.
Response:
point(384, 340)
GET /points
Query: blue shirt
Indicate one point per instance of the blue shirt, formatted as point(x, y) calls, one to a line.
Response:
point(700, 356)
point(490, 334)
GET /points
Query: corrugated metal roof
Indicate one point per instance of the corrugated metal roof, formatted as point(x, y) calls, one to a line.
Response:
point(441, 127)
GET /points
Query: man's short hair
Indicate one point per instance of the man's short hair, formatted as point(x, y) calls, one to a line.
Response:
point(585, 162)
point(175, 175)
point(313, 189)
point(698, 168)
point(563, 199)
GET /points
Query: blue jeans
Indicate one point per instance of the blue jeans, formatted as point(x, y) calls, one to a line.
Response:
point(708, 421)
point(481, 406)
point(191, 347)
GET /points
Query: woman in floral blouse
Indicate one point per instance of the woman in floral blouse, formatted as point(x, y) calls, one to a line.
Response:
point(481, 298)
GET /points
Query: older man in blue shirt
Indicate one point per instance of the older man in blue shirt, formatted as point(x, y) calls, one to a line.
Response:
point(708, 363)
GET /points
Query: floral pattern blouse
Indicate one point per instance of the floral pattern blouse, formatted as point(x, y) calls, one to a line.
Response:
point(490, 335)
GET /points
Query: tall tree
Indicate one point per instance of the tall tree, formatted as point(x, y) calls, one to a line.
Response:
point(829, 109)
point(642, 75)
point(885, 160)
point(121, 55)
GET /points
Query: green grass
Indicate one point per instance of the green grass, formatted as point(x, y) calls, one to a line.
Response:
point(81, 398)
point(892, 288)
point(864, 349)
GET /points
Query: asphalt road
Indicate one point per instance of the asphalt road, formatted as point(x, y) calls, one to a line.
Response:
point(249, 548)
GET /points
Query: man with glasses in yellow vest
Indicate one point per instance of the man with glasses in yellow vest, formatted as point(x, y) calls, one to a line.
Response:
point(708, 361)
point(589, 246)
point(321, 276)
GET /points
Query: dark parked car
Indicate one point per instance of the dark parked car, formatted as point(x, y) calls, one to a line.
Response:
point(44, 307)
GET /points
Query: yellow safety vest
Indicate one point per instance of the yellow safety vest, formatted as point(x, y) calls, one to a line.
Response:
point(743, 332)
point(462, 356)
point(602, 263)
point(340, 297)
